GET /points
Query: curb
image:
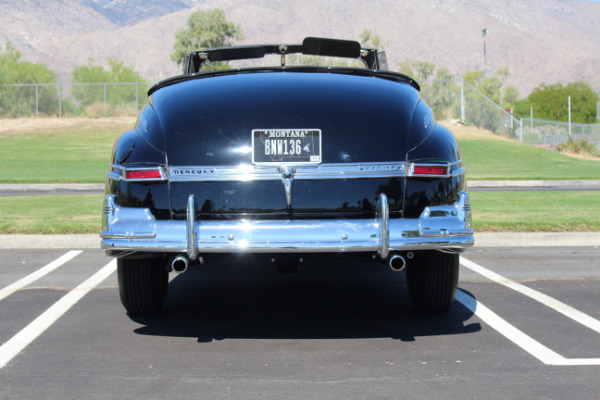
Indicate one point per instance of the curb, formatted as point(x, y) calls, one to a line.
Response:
point(25, 187)
point(67, 241)
point(537, 239)
point(525, 184)
point(483, 239)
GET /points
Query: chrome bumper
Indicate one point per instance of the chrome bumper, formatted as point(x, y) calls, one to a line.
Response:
point(440, 227)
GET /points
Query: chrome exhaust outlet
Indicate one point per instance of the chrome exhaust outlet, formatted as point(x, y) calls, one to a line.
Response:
point(397, 263)
point(180, 264)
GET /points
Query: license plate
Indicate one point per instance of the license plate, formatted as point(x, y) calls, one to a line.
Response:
point(277, 146)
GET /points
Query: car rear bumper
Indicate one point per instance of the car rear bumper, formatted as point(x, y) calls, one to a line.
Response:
point(134, 230)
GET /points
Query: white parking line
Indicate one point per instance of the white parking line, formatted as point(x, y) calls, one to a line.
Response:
point(21, 283)
point(518, 337)
point(28, 334)
point(546, 300)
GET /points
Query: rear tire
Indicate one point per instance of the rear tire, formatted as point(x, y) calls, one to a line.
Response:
point(143, 285)
point(432, 280)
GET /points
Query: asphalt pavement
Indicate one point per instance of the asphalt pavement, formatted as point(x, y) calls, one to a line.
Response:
point(525, 325)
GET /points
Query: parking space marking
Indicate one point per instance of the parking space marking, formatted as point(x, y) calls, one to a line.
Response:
point(518, 337)
point(28, 334)
point(546, 300)
point(21, 283)
point(515, 335)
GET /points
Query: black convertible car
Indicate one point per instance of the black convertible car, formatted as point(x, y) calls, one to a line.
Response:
point(286, 162)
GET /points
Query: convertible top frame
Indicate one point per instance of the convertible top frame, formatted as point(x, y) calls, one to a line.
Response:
point(372, 58)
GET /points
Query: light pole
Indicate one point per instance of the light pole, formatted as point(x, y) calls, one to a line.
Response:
point(484, 32)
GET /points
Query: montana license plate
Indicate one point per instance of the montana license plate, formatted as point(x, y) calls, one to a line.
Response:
point(286, 146)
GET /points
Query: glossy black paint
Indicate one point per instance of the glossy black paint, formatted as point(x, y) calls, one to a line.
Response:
point(154, 196)
point(440, 144)
point(208, 122)
point(348, 198)
point(424, 192)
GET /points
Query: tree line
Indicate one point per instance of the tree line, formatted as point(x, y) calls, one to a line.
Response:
point(27, 88)
point(210, 28)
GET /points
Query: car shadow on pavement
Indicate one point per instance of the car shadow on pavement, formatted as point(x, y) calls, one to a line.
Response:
point(325, 300)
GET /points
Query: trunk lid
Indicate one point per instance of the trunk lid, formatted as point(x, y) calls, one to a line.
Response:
point(362, 122)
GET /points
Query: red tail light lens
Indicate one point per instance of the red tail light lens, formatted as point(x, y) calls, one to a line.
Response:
point(141, 174)
point(430, 170)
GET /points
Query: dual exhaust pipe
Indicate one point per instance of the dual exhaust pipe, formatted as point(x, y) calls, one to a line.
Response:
point(180, 264)
point(398, 263)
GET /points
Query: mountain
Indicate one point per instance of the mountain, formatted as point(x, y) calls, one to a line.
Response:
point(130, 12)
point(540, 40)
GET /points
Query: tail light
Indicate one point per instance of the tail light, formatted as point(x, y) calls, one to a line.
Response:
point(144, 174)
point(429, 170)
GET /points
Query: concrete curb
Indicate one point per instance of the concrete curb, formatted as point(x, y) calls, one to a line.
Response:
point(67, 241)
point(25, 187)
point(526, 184)
point(537, 239)
point(483, 239)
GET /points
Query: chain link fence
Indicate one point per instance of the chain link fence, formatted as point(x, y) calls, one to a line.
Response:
point(71, 99)
point(553, 133)
point(457, 99)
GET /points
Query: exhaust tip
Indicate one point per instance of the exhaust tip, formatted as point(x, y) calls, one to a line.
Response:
point(397, 263)
point(180, 264)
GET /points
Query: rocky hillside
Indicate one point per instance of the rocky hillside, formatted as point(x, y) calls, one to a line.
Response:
point(540, 40)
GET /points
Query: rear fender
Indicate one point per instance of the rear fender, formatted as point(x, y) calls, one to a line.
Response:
point(438, 146)
point(142, 147)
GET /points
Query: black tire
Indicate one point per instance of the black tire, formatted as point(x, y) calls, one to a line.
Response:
point(143, 285)
point(432, 279)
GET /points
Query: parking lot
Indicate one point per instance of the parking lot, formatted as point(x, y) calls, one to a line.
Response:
point(526, 324)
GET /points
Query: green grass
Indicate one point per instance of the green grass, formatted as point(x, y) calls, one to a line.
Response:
point(51, 214)
point(489, 159)
point(56, 157)
point(493, 211)
point(84, 157)
point(536, 211)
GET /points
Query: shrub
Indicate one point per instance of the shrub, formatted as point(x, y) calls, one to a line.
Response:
point(581, 147)
point(124, 110)
point(97, 110)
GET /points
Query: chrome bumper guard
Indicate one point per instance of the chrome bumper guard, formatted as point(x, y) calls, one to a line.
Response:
point(440, 227)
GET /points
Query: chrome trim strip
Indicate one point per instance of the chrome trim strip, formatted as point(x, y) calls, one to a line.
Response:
point(249, 172)
point(127, 235)
point(438, 228)
point(113, 175)
point(458, 172)
point(452, 172)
